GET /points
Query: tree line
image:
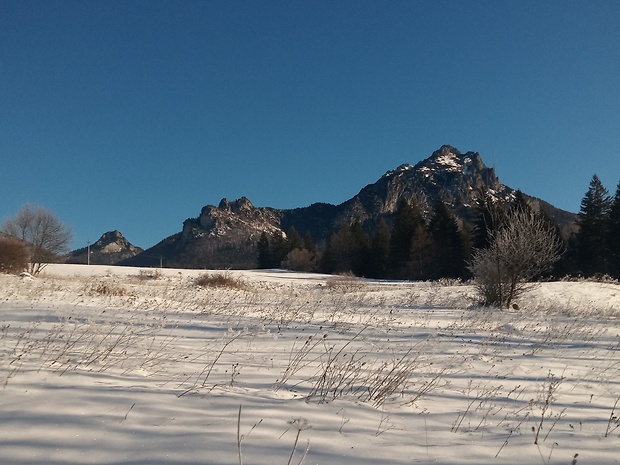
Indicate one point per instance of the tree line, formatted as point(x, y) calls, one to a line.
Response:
point(403, 246)
point(594, 251)
point(406, 246)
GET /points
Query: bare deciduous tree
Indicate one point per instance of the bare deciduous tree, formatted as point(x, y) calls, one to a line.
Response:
point(46, 236)
point(520, 250)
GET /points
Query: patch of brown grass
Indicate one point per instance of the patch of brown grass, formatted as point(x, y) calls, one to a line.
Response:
point(346, 282)
point(220, 279)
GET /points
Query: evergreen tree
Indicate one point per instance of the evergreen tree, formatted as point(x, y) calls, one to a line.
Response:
point(278, 249)
point(264, 253)
point(347, 251)
point(491, 215)
point(407, 218)
point(293, 239)
point(613, 236)
point(520, 202)
point(360, 250)
point(309, 243)
point(591, 240)
point(420, 254)
point(449, 247)
point(379, 251)
point(336, 258)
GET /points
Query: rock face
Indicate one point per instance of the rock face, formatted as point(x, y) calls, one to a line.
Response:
point(110, 249)
point(225, 236)
point(455, 178)
point(221, 237)
point(235, 218)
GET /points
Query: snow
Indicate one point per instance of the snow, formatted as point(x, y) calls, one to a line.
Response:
point(400, 170)
point(450, 161)
point(122, 365)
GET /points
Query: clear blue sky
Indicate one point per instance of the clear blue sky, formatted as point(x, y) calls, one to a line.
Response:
point(132, 115)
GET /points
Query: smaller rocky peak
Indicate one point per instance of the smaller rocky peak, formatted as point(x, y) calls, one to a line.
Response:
point(242, 204)
point(111, 241)
point(224, 205)
point(111, 248)
point(236, 206)
point(109, 237)
point(231, 216)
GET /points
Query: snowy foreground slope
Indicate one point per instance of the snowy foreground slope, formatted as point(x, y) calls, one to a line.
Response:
point(112, 365)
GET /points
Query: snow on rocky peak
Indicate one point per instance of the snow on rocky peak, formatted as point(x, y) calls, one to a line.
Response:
point(450, 162)
point(401, 169)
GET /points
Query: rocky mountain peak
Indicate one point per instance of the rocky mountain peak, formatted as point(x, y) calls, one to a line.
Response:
point(450, 159)
point(231, 218)
point(112, 241)
point(237, 206)
point(112, 247)
point(456, 178)
point(445, 155)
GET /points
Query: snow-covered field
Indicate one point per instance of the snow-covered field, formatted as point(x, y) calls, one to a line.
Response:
point(113, 365)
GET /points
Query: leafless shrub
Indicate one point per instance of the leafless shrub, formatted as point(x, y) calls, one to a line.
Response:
point(300, 260)
point(14, 255)
point(525, 247)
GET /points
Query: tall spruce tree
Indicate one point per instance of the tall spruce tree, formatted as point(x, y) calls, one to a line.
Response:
point(520, 202)
point(420, 262)
point(613, 236)
point(379, 251)
point(361, 250)
point(448, 245)
point(278, 249)
point(591, 239)
point(309, 243)
point(407, 218)
point(293, 239)
point(264, 253)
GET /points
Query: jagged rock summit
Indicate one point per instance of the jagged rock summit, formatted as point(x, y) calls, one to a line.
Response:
point(111, 248)
point(455, 178)
point(232, 218)
point(225, 236)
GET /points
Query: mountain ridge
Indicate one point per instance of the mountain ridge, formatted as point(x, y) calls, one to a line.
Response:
point(225, 236)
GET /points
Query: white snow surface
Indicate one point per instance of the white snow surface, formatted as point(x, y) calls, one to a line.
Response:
point(115, 365)
point(450, 161)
